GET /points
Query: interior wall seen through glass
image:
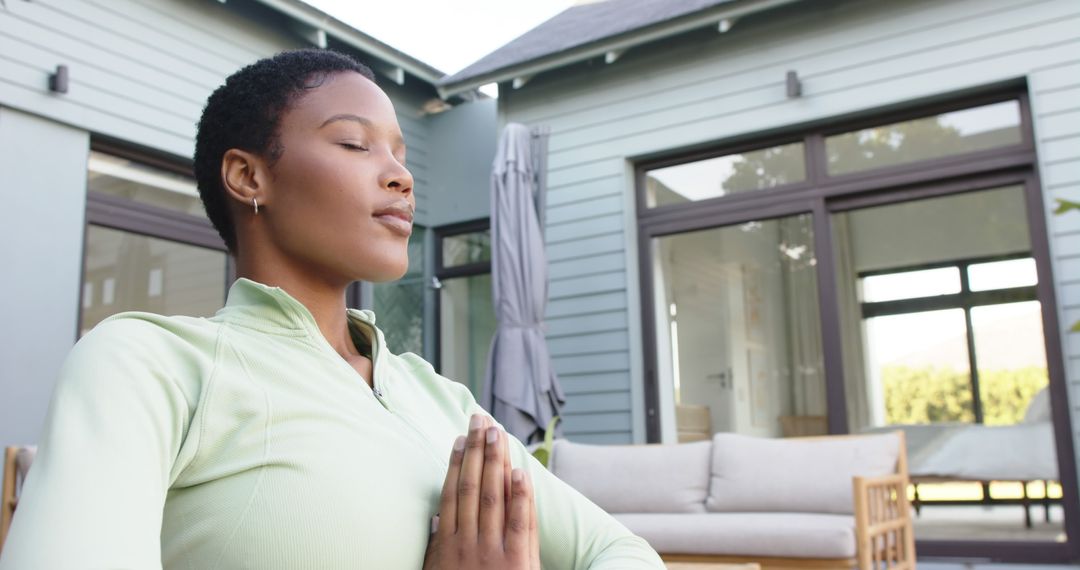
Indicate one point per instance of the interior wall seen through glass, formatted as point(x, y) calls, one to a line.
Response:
point(123, 271)
point(739, 338)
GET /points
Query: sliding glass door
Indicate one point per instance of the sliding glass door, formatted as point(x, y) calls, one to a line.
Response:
point(891, 273)
point(943, 339)
point(739, 331)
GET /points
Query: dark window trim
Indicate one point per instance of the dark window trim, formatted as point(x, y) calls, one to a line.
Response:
point(121, 214)
point(943, 264)
point(164, 161)
point(823, 195)
point(442, 232)
point(442, 272)
point(967, 299)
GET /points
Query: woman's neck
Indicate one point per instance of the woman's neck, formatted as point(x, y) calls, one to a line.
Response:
point(324, 300)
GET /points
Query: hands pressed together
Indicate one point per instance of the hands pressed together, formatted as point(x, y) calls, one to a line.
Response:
point(487, 513)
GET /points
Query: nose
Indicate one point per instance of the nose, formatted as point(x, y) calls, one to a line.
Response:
point(396, 177)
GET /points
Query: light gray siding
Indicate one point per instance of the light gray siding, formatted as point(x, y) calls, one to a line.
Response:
point(41, 232)
point(463, 140)
point(709, 87)
point(140, 70)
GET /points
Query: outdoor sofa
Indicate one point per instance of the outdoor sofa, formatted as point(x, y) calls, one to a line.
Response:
point(820, 502)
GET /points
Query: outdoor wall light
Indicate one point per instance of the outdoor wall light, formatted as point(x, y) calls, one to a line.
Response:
point(58, 80)
point(794, 86)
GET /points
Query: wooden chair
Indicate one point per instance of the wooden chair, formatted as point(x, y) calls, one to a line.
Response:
point(693, 423)
point(883, 530)
point(803, 426)
point(17, 460)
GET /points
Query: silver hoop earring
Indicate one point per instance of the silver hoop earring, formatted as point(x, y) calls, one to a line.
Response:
point(256, 202)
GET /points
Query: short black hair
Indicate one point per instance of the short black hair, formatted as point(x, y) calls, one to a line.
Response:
point(245, 113)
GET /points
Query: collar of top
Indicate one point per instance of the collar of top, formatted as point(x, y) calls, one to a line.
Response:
point(272, 309)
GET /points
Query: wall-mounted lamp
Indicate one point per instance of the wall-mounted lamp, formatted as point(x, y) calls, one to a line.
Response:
point(58, 80)
point(794, 86)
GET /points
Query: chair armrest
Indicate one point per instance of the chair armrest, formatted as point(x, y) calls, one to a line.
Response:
point(883, 532)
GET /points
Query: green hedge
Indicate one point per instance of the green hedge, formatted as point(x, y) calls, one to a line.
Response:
point(925, 395)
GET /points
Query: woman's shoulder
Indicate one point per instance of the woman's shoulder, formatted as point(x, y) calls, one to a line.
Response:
point(147, 337)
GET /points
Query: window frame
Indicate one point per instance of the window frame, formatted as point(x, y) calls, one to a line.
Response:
point(116, 213)
point(442, 272)
point(965, 300)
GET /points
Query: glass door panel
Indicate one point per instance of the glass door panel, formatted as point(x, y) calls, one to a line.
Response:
point(124, 271)
point(739, 337)
point(467, 324)
point(941, 334)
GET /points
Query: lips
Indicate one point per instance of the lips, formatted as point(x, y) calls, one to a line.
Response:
point(398, 217)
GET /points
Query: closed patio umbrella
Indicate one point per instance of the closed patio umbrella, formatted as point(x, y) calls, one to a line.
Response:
point(520, 389)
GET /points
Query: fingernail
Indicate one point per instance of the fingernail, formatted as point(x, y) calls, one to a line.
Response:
point(517, 475)
point(476, 422)
point(434, 524)
point(459, 443)
point(492, 434)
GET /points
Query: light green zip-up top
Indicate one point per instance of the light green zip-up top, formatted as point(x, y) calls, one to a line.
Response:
point(245, 441)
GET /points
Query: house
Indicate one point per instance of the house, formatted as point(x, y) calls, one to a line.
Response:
point(774, 217)
point(790, 217)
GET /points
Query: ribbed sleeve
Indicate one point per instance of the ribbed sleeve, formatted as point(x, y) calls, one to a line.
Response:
point(94, 495)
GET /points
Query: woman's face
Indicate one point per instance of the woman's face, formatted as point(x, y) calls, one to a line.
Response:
point(342, 202)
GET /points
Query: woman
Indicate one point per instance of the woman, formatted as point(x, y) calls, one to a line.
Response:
point(281, 433)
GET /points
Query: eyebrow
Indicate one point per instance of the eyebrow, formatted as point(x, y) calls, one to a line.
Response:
point(361, 120)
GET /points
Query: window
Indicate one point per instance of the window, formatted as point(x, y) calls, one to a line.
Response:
point(964, 354)
point(149, 246)
point(740, 337)
point(724, 175)
point(465, 312)
point(946, 134)
point(892, 277)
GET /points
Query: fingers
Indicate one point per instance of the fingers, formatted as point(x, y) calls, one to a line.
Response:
point(447, 524)
point(518, 541)
point(468, 484)
point(507, 471)
point(534, 531)
point(492, 489)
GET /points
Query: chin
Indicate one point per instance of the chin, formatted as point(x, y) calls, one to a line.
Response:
point(385, 272)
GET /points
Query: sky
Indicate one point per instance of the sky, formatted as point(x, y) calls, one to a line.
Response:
point(446, 35)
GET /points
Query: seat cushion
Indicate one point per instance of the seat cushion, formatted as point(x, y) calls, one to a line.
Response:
point(636, 478)
point(753, 474)
point(796, 535)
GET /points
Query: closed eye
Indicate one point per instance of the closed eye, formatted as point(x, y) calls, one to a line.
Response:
point(350, 146)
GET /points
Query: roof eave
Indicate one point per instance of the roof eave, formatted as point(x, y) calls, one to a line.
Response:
point(616, 44)
point(320, 21)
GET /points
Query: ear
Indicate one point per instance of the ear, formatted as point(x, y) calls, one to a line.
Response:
point(244, 176)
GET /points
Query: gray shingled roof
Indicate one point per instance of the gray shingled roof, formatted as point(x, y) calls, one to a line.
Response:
point(579, 26)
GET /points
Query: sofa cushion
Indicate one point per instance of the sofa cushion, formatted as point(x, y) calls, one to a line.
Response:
point(801, 535)
point(636, 478)
point(752, 474)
